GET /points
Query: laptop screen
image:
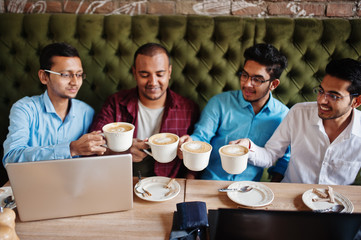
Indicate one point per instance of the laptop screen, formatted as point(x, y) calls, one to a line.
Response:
point(282, 225)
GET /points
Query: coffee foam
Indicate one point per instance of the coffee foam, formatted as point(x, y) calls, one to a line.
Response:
point(197, 147)
point(194, 146)
point(234, 150)
point(118, 128)
point(163, 139)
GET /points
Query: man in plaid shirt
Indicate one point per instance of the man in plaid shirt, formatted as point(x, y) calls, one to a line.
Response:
point(152, 108)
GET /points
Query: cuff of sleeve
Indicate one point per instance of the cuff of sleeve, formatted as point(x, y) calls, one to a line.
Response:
point(251, 154)
point(62, 151)
point(254, 154)
point(251, 146)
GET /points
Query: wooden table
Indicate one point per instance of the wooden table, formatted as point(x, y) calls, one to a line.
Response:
point(288, 196)
point(147, 220)
point(153, 220)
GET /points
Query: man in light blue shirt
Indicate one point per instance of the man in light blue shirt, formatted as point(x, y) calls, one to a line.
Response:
point(251, 112)
point(53, 125)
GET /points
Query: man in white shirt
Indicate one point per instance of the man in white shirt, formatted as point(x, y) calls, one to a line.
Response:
point(325, 136)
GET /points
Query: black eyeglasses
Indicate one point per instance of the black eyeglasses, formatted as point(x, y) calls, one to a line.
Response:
point(68, 76)
point(330, 96)
point(256, 81)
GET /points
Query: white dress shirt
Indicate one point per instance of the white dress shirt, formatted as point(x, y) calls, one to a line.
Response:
point(313, 158)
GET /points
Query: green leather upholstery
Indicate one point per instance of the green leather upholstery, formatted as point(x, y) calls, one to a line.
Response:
point(206, 52)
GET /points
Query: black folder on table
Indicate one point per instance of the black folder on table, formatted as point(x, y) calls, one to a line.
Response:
point(252, 224)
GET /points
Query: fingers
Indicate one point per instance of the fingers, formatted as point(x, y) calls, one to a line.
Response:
point(179, 153)
point(88, 144)
point(98, 150)
point(243, 141)
point(96, 132)
point(137, 150)
point(235, 141)
point(183, 139)
point(139, 144)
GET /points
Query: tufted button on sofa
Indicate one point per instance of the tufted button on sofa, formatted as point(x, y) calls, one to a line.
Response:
point(206, 52)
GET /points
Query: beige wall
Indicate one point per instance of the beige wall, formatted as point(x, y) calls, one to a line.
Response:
point(260, 8)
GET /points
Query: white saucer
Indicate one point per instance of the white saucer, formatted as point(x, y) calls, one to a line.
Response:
point(259, 196)
point(4, 193)
point(339, 199)
point(156, 186)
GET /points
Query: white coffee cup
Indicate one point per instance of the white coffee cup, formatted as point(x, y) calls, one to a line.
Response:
point(234, 158)
point(164, 147)
point(119, 136)
point(196, 155)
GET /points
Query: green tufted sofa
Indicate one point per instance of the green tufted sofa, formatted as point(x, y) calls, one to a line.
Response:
point(206, 52)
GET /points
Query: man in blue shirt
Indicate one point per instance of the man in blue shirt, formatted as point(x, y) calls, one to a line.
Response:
point(251, 112)
point(53, 125)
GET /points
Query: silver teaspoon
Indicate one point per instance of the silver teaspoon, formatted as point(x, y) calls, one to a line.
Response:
point(336, 208)
point(242, 189)
point(8, 201)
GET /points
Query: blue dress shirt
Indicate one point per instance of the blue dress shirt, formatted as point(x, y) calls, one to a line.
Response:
point(36, 132)
point(228, 117)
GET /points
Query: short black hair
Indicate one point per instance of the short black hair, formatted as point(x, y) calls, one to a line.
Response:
point(349, 70)
point(151, 49)
point(56, 49)
point(269, 56)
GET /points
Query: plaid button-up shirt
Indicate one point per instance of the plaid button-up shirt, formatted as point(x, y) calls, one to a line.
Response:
point(180, 115)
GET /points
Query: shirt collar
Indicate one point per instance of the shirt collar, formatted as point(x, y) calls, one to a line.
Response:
point(71, 112)
point(170, 101)
point(49, 107)
point(269, 106)
point(315, 119)
point(356, 122)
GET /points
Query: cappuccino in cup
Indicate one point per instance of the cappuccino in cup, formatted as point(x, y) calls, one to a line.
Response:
point(164, 147)
point(234, 150)
point(234, 158)
point(163, 139)
point(119, 136)
point(118, 127)
point(196, 147)
point(196, 155)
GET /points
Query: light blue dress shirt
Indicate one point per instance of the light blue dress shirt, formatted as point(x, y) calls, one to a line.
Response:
point(228, 117)
point(36, 132)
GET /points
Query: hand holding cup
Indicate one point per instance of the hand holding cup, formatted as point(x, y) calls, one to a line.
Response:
point(196, 155)
point(234, 158)
point(182, 139)
point(119, 136)
point(163, 146)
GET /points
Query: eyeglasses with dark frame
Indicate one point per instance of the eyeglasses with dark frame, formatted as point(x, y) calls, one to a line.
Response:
point(330, 96)
point(256, 81)
point(68, 76)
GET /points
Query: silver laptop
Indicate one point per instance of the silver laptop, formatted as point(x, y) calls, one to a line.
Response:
point(72, 187)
